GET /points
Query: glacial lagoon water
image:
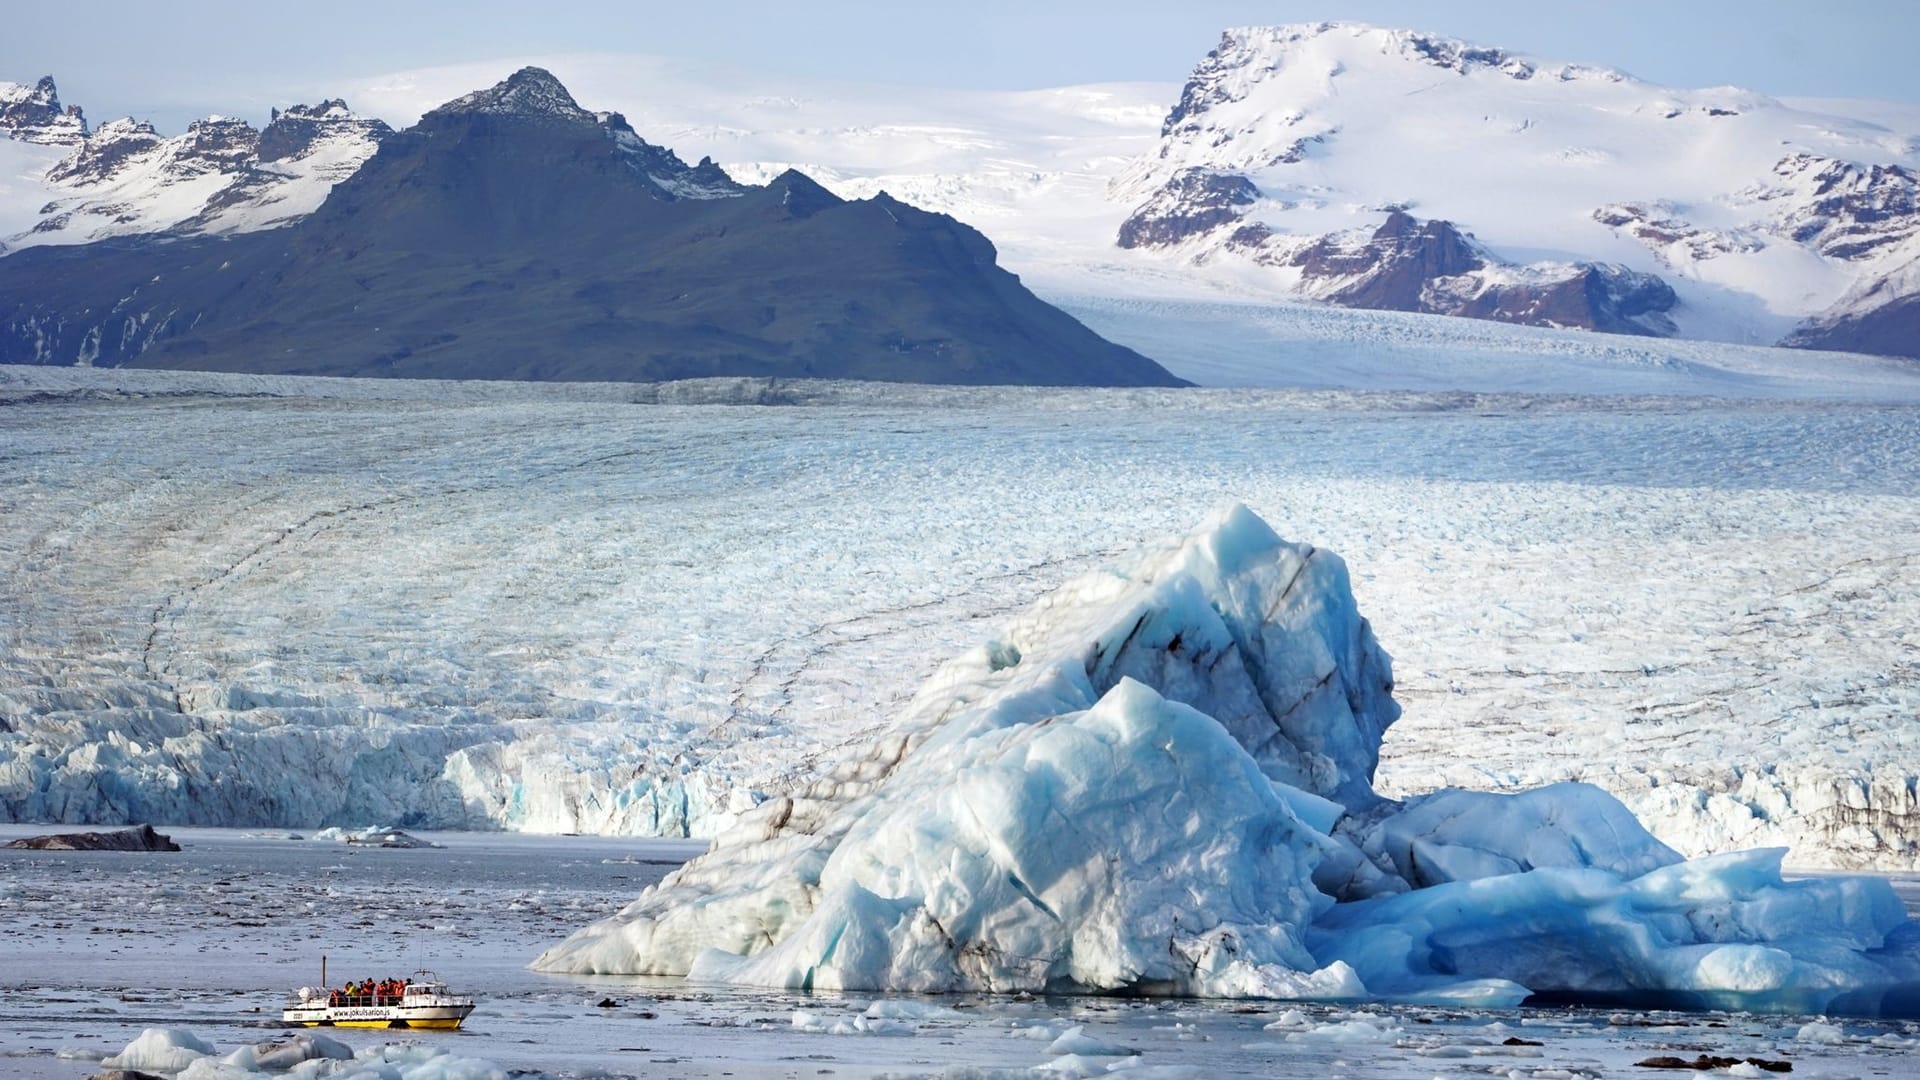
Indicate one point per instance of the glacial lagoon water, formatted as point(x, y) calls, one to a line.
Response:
point(99, 946)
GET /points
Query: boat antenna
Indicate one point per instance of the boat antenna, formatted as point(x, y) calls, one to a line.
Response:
point(323, 971)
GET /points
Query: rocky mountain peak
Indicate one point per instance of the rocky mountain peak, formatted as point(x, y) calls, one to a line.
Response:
point(530, 92)
point(100, 157)
point(296, 129)
point(664, 167)
point(801, 195)
point(34, 114)
point(1844, 209)
point(220, 175)
point(222, 143)
point(330, 109)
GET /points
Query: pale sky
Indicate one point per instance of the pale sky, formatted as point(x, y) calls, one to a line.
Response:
point(169, 62)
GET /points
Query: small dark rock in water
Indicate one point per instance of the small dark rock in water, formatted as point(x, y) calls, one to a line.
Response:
point(140, 839)
point(123, 1074)
point(1706, 1062)
point(607, 1003)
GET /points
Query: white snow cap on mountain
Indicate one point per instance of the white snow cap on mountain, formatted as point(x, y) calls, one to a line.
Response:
point(530, 91)
point(1726, 193)
point(221, 175)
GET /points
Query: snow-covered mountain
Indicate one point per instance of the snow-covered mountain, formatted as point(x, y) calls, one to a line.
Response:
point(1323, 163)
point(417, 265)
point(34, 114)
point(221, 175)
point(1343, 163)
point(1387, 168)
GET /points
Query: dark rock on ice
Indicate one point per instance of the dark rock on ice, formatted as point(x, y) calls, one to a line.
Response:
point(1391, 270)
point(1710, 1062)
point(1193, 203)
point(139, 839)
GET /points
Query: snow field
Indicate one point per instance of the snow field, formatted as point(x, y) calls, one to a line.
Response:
point(547, 609)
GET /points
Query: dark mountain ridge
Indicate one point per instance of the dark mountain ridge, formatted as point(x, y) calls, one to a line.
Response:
point(511, 234)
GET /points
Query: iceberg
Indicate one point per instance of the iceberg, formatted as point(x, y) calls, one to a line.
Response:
point(1159, 780)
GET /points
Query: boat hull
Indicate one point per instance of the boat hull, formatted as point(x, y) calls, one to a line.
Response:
point(431, 1018)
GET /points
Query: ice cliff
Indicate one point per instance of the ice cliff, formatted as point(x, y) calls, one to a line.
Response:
point(1160, 780)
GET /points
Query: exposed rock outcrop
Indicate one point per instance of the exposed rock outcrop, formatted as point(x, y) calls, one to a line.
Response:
point(34, 114)
point(1194, 203)
point(1432, 267)
point(1842, 209)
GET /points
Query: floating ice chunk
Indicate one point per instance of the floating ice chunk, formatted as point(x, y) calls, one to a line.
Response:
point(1040, 1029)
point(996, 841)
point(856, 1024)
point(1291, 1020)
point(374, 836)
point(1076, 1041)
point(1083, 1066)
point(1454, 835)
point(282, 1054)
point(1726, 931)
point(1020, 860)
point(898, 1009)
point(1362, 1028)
point(161, 1050)
point(1891, 1041)
point(1819, 1032)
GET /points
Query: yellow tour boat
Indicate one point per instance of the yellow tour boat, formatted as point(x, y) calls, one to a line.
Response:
point(421, 1002)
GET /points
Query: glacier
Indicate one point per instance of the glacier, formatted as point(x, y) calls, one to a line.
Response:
point(297, 603)
point(1158, 780)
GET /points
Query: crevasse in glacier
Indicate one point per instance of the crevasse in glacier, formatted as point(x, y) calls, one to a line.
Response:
point(1160, 780)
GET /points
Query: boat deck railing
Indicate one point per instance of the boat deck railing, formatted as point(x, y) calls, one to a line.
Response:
point(416, 996)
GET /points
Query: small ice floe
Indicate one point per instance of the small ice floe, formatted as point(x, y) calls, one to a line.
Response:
point(181, 1053)
point(1820, 1032)
point(1185, 1032)
point(1355, 1028)
point(161, 1050)
point(901, 1009)
point(374, 837)
point(856, 1024)
point(1048, 1030)
point(1480, 1048)
point(279, 1055)
point(1081, 1067)
point(1077, 1042)
point(1076, 1066)
point(1890, 1041)
point(1291, 1020)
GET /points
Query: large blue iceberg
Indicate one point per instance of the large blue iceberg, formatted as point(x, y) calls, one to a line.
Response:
point(1159, 780)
